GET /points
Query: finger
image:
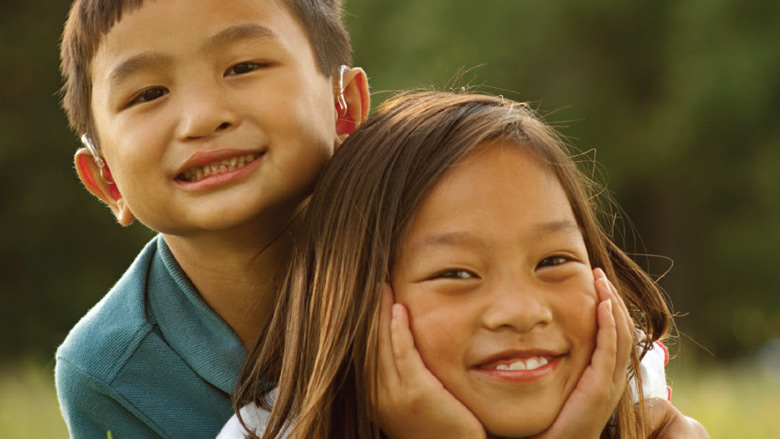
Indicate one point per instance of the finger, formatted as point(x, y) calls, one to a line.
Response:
point(407, 359)
point(604, 356)
point(388, 372)
point(625, 334)
point(623, 308)
point(624, 326)
point(624, 323)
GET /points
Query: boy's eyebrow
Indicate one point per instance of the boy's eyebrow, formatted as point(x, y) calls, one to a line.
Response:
point(136, 63)
point(222, 38)
point(241, 32)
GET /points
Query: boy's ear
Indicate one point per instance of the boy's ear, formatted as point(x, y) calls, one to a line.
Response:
point(357, 99)
point(102, 186)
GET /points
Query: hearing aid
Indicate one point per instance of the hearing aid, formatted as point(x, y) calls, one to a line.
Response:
point(99, 162)
point(342, 103)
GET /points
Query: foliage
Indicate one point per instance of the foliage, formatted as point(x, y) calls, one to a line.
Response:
point(679, 98)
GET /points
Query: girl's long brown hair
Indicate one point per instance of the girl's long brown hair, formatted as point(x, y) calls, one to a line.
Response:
point(321, 344)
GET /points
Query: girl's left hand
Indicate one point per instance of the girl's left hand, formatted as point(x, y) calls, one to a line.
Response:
point(590, 405)
point(412, 403)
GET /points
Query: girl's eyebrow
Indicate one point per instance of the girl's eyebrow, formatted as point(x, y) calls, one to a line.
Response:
point(564, 225)
point(450, 239)
point(466, 239)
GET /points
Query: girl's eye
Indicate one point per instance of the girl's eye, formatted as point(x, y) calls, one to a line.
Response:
point(149, 94)
point(553, 261)
point(455, 274)
point(242, 68)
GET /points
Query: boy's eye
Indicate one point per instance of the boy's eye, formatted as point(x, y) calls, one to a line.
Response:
point(242, 68)
point(149, 94)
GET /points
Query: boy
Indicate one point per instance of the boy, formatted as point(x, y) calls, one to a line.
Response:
point(209, 121)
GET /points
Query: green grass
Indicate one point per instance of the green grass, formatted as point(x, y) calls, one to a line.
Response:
point(737, 402)
point(731, 402)
point(28, 402)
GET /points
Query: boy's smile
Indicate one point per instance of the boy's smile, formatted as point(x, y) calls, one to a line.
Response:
point(496, 277)
point(210, 113)
point(212, 167)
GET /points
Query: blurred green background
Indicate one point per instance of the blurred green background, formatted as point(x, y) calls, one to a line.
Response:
point(681, 100)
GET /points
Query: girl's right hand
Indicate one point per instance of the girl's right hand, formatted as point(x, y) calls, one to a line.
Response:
point(412, 402)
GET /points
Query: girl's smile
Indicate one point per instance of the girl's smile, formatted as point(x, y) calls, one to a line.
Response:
point(525, 366)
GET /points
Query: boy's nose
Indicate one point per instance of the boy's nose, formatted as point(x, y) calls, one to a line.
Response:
point(204, 114)
point(517, 306)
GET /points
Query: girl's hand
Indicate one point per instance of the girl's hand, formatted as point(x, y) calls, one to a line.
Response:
point(664, 421)
point(590, 405)
point(412, 403)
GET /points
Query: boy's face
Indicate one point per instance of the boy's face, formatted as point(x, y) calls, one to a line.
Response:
point(211, 114)
point(497, 280)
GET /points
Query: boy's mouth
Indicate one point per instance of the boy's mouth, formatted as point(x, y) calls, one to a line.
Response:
point(219, 167)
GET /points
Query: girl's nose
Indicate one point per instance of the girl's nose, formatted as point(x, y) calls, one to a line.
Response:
point(517, 305)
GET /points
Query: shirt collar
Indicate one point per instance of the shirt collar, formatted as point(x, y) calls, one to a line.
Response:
point(189, 326)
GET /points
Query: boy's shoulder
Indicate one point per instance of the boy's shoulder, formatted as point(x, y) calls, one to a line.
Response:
point(109, 333)
point(151, 359)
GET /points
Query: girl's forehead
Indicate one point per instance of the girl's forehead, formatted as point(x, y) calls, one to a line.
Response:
point(500, 190)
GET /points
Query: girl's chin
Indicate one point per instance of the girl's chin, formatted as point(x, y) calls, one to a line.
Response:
point(518, 435)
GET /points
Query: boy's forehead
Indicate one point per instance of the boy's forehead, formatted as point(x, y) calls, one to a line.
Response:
point(208, 25)
point(162, 19)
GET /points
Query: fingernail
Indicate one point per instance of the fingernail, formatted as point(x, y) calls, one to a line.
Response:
point(396, 310)
point(609, 305)
point(598, 273)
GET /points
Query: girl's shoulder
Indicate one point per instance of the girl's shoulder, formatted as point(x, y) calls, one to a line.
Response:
point(254, 417)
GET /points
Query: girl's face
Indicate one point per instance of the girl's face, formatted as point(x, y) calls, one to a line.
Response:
point(496, 277)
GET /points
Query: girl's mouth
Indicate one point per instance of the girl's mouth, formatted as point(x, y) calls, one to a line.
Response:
point(524, 369)
point(219, 167)
point(523, 364)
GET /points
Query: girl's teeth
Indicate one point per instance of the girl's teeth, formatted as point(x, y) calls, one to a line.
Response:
point(529, 364)
point(226, 165)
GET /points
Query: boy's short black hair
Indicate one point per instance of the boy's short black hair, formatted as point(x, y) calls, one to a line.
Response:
point(89, 20)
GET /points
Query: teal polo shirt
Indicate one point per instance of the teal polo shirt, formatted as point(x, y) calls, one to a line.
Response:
point(150, 360)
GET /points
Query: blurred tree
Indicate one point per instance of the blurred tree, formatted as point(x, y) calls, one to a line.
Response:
point(61, 250)
point(679, 99)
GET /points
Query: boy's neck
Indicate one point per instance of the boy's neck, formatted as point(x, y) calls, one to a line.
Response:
point(237, 276)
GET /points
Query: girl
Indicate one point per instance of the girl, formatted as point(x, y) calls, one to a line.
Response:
point(471, 210)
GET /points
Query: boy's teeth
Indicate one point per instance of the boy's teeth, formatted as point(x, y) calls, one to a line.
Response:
point(195, 174)
point(527, 364)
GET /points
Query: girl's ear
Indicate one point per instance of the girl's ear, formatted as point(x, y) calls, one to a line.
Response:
point(102, 186)
point(356, 98)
